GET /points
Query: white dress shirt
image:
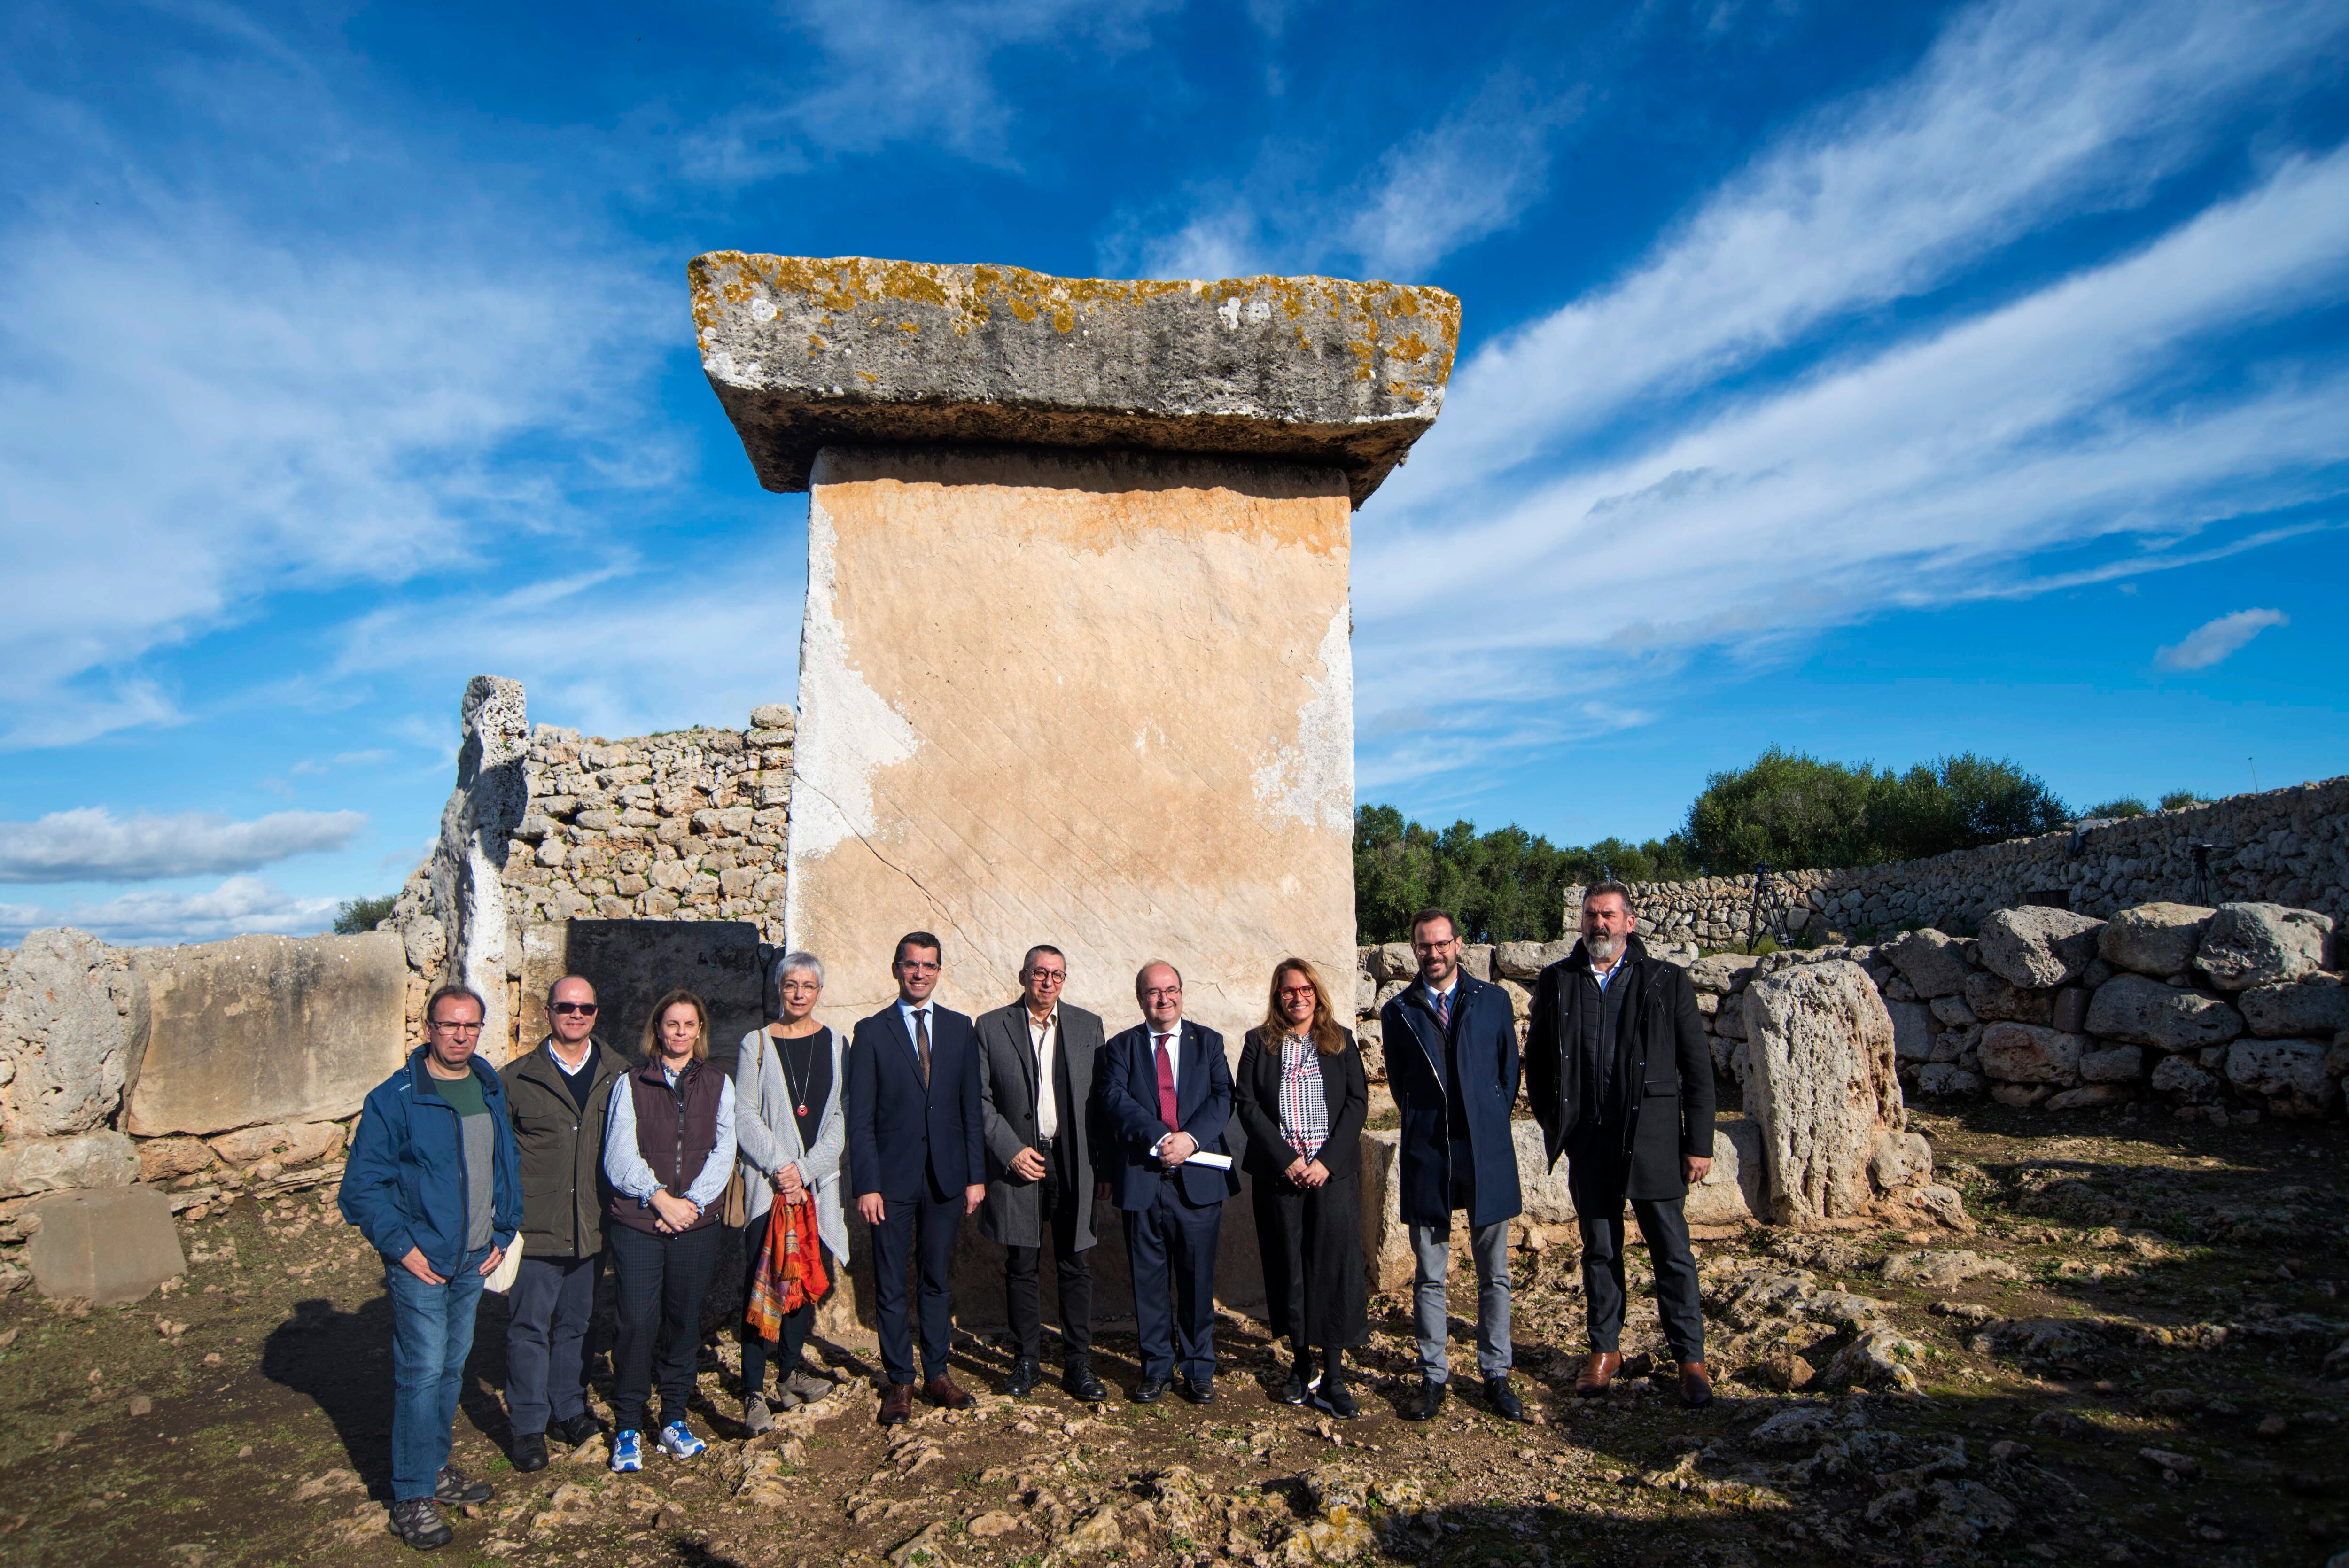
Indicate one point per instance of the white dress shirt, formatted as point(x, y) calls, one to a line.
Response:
point(1046, 1039)
point(1174, 1033)
point(907, 1010)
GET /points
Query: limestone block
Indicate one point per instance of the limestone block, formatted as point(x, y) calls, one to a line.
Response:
point(1933, 963)
point(1943, 1078)
point(105, 1245)
point(2148, 1013)
point(2249, 944)
point(1477, 960)
point(1821, 1081)
point(1718, 974)
point(2028, 1053)
point(2288, 1071)
point(261, 1029)
point(2316, 1004)
point(1182, 641)
point(2070, 1009)
point(1392, 960)
point(1521, 1001)
point(2037, 947)
point(806, 353)
point(74, 1019)
point(2122, 1064)
point(773, 717)
point(1954, 1011)
point(292, 1144)
point(1899, 1160)
point(2179, 1078)
point(1993, 997)
point(2153, 939)
point(2021, 1096)
point(1735, 1190)
point(1912, 1031)
point(2089, 1095)
point(166, 1158)
point(100, 1158)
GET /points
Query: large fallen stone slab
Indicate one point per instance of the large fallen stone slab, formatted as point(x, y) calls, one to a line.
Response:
point(104, 1246)
point(1821, 1081)
point(810, 352)
point(2038, 947)
point(261, 1029)
point(2249, 944)
point(102, 1159)
point(2155, 939)
point(72, 1022)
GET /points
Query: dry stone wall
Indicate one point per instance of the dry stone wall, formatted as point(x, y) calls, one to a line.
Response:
point(2282, 846)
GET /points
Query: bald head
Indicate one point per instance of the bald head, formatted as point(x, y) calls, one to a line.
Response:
point(1159, 989)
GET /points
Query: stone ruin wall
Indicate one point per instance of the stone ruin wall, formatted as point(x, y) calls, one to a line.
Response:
point(2284, 846)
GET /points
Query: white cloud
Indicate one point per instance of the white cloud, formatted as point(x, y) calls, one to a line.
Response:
point(2213, 641)
point(1470, 176)
point(238, 906)
point(91, 844)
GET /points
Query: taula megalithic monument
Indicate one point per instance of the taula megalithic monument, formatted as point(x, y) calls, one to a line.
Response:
point(1075, 664)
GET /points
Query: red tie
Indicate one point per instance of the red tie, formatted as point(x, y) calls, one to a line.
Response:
point(1166, 1111)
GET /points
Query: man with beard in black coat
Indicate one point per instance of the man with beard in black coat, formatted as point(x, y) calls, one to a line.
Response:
point(1621, 1080)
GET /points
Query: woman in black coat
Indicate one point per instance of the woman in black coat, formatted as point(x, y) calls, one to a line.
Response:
point(1302, 1096)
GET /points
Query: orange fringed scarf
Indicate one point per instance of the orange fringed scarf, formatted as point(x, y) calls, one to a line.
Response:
point(791, 1268)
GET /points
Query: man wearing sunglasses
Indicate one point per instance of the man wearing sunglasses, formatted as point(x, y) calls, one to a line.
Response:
point(557, 1096)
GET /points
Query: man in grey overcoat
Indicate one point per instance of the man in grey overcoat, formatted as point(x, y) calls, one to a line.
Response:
point(1035, 1089)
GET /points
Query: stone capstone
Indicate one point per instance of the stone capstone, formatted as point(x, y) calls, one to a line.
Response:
point(2146, 1011)
point(1932, 963)
point(74, 1026)
point(2249, 944)
point(2317, 1004)
point(806, 353)
point(1821, 1081)
point(104, 1246)
point(262, 1029)
point(2153, 939)
point(2038, 947)
point(102, 1159)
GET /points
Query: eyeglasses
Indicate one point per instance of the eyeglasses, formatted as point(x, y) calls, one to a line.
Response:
point(586, 1008)
point(1296, 993)
point(462, 1026)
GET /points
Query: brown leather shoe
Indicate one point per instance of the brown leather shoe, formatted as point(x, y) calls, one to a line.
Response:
point(1696, 1387)
point(1597, 1372)
point(896, 1404)
point(941, 1391)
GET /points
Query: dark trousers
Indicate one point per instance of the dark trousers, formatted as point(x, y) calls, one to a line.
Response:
point(788, 1346)
point(661, 1280)
point(1023, 1301)
point(925, 1229)
point(1170, 1251)
point(1664, 1224)
point(1311, 1245)
point(548, 1344)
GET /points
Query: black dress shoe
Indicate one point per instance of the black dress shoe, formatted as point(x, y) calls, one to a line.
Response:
point(1504, 1400)
point(1294, 1391)
point(1148, 1391)
point(1023, 1378)
point(419, 1524)
point(1429, 1400)
point(1198, 1390)
point(1077, 1377)
point(453, 1486)
point(530, 1452)
point(577, 1429)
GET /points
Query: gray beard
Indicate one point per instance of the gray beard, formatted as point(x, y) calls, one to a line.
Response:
point(1604, 949)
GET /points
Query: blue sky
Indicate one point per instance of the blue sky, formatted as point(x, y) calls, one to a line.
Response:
point(1880, 381)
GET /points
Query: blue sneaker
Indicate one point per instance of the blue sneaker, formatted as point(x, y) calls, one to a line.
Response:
point(628, 1449)
point(677, 1441)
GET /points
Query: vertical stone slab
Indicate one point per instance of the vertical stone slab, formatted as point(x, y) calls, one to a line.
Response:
point(633, 963)
point(1099, 700)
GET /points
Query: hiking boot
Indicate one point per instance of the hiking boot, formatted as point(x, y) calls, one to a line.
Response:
point(454, 1487)
point(419, 1524)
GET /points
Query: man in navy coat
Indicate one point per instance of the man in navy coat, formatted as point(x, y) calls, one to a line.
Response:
point(1166, 1093)
point(1451, 1044)
point(915, 1137)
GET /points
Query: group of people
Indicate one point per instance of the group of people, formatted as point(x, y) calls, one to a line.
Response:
point(1025, 1116)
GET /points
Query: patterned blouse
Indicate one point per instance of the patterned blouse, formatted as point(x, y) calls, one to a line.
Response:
point(1304, 1108)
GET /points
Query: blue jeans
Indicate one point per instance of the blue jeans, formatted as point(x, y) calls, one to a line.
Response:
point(432, 1335)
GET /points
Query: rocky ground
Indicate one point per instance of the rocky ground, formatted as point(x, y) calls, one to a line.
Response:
point(2141, 1356)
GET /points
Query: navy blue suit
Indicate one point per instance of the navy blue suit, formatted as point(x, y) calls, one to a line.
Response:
point(1483, 1041)
point(1173, 1219)
point(919, 1146)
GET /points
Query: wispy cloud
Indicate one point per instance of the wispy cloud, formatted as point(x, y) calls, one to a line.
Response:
point(2213, 641)
point(1458, 181)
point(238, 906)
point(92, 844)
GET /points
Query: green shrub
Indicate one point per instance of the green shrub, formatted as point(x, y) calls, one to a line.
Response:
point(354, 915)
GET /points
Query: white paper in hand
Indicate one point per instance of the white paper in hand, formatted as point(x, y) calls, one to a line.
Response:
point(1213, 1162)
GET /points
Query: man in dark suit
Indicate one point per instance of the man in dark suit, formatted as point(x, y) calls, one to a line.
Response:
point(1451, 1042)
point(1166, 1093)
point(1035, 1089)
point(1621, 1081)
point(914, 1160)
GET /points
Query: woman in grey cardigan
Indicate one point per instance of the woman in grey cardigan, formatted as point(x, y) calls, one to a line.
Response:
point(791, 1133)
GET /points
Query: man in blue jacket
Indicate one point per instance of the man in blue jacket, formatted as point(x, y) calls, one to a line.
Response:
point(1451, 1042)
point(434, 1184)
